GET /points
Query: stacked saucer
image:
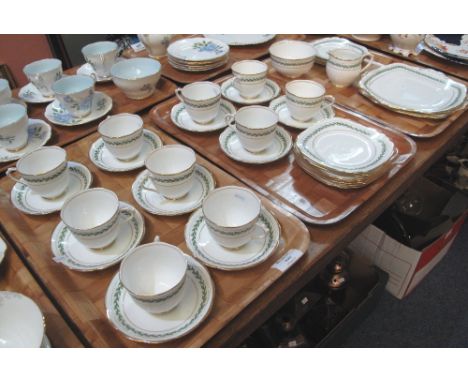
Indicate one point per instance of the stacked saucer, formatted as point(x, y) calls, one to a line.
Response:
point(344, 154)
point(197, 54)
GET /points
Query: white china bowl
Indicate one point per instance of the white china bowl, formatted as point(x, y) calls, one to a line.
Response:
point(137, 77)
point(123, 135)
point(292, 58)
point(92, 217)
point(13, 126)
point(171, 170)
point(154, 275)
point(231, 214)
point(21, 321)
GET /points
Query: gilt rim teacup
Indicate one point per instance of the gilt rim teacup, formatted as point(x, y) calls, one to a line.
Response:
point(249, 77)
point(344, 66)
point(201, 99)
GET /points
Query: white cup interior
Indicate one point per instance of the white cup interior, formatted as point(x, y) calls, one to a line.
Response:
point(256, 117)
point(231, 206)
point(292, 50)
point(11, 113)
point(89, 209)
point(135, 68)
point(100, 47)
point(305, 89)
point(153, 269)
point(199, 91)
point(4, 87)
point(22, 323)
point(72, 84)
point(42, 66)
point(249, 67)
point(42, 160)
point(120, 125)
point(345, 54)
point(170, 159)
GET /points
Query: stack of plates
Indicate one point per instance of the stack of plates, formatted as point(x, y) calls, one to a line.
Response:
point(457, 52)
point(197, 54)
point(344, 154)
point(414, 91)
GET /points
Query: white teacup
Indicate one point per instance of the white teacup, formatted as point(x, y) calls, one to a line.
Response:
point(249, 77)
point(304, 98)
point(344, 66)
point(137, 77)
point(201, 100)
point(154, 275)
point(122, 135)
point(13, 126)
point(231, 214)
point(101, 56)
point(407, 42)
point(43, 74)
point(92, 216)
point(44, 171)
point(5, 92)
point(75, 94)
point(171, 169)
point(292, 58)
point(255, 127)
point(155, 44)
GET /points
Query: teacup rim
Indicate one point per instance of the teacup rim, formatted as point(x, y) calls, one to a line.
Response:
point(166, 147)
point(332, 53)
point(27, 155)
point(87, 46)
point(309, 82)
point(135, 59)
point(257, 107)
point(213, 84)
point(220, 189)
point(15, 105)
point(154, 243)
point(68, 200)
point(141, 127)
point(68, 78)
point(265, 66)
point(296, 42)
point(28, 66)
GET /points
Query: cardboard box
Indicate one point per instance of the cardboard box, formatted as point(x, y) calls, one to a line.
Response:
point(406, 266)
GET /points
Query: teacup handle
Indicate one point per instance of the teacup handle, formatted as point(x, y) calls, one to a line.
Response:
point(229, 119)
point(12, 170)
point(129, 210)
point(178, 93)
point(329, 100)
point(369, 63)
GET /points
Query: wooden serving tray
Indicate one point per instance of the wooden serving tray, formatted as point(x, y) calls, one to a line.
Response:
point(423, 58)
point(351, 97)
point(81, 295)
point(15, 277)
point(236, 53)
point(283, 181)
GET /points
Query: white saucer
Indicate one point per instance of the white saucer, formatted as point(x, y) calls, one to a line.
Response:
point(102, 104)
point(27, 201)
point(88, 70)
point(139, 325)
point(280, 107)
point(156, 204)
point(39, 132)
point(181, 118)
point(232, 147)
point(265, 241)
point(271, 90)
point(29, 93)
point(102, 157)
point(74, 255)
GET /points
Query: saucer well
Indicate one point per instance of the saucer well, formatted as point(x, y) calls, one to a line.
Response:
point(139, 325)
point(232, 147)
point(271, 90)
point(39, 132)
point(102, 104)
point(265, 241)
point(102, 157)
point(74, 255)
point(27, 201)
point(155, 203)
point(280, 107)
point(30, 94)
point(88, 70)
point(181, 118)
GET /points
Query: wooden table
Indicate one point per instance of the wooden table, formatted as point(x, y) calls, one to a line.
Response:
point(326, 242)
point(15, 277)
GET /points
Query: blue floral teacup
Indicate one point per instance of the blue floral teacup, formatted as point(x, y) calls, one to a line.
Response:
point(75, 94)
point(43, 74)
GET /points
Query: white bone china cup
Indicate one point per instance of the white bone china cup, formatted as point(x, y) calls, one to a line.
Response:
point(13, 126)
point(201, 100)
point(75, 94)
point(249, 77)
point(344, 66)
point(43, 74)
point(101, 56)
